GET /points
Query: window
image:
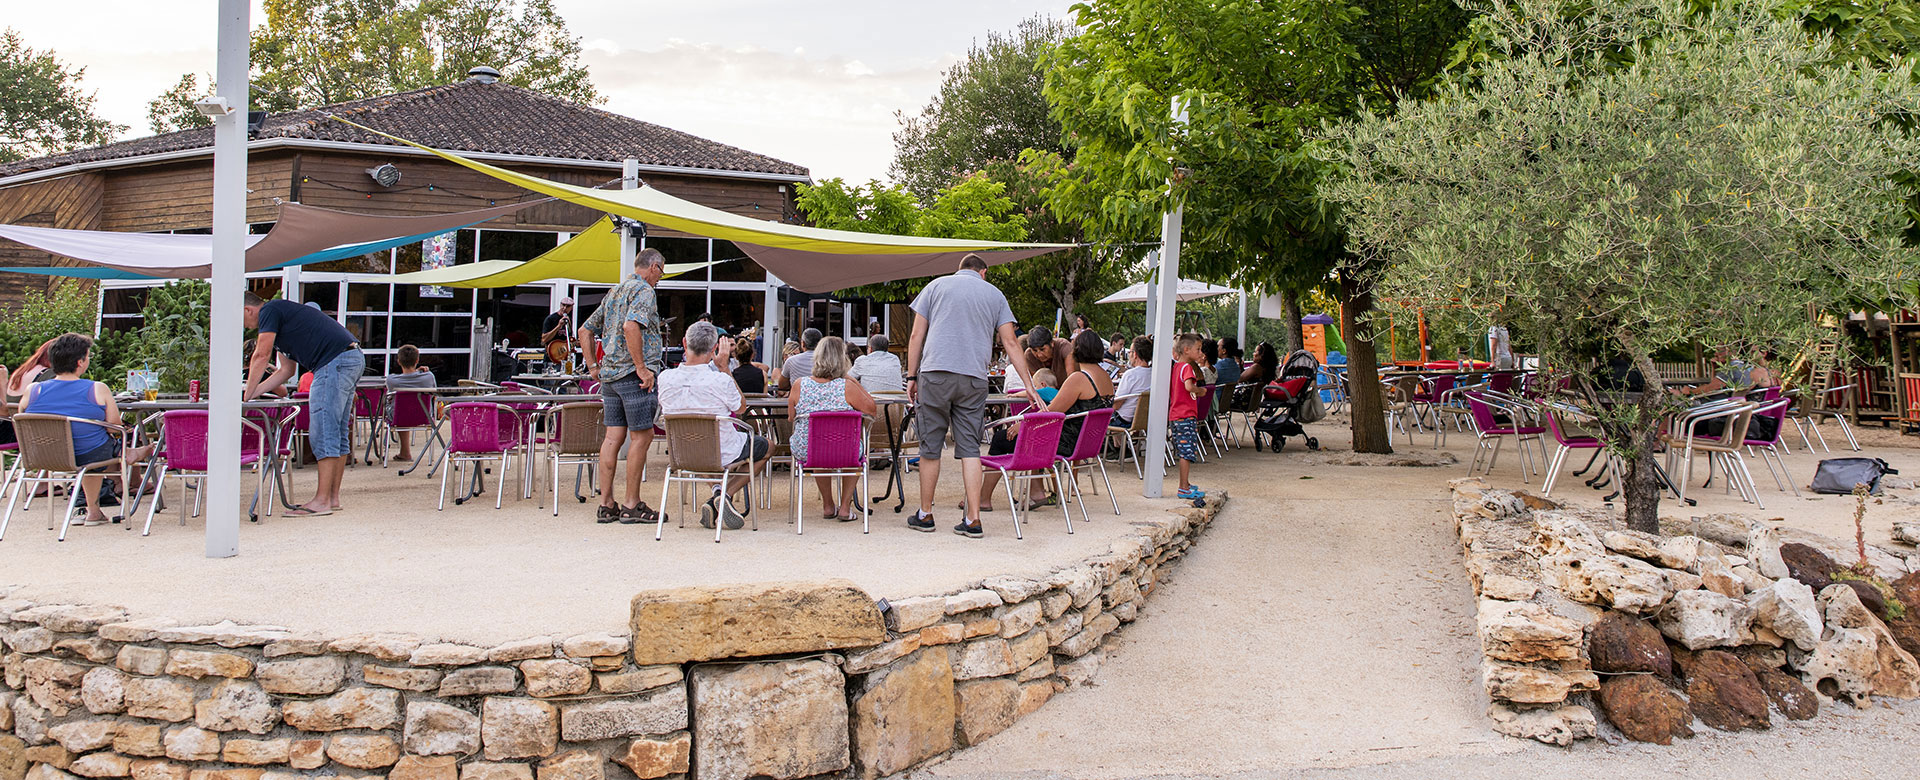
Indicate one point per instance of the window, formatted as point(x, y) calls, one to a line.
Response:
point(516, 245)
point(454, 333)
point(682, 250)
point(729, 269)
point(736, 310)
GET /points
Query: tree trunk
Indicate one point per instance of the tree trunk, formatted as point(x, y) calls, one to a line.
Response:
point(1363, 368)
point(1642, 434)
point(1290, 308)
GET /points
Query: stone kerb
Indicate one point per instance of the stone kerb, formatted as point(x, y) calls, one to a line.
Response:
point(1707, 624)
point(784, 681)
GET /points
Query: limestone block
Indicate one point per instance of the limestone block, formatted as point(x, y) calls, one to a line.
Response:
point(971, 600)
point(308, 676)
point(104, 691)
point(991, 657)
point(1128, 611)
point(389, 647)
point(652, 758)
point(1787, 608)
point(1120, 592)
point(256, 751)
point(780, 719)
point(1857, 656)
point(484, 770)
point(33, 639)
point(1077, 671)
point(573, 765)
point(91, 648)
point(479, 680)
point(29, 720)
point(363, 751)
point(81, 736)
point(1526, 633)
point(1089, 637)
point(1701, 619)
point(1081, 584)
point(199, 663)
point(311, 644)
point(521, 650)
point(237, 705)
point(986, 707)
point(102, 765)
point(1063, 628)
point(979, 627)
point(47, 772)
point(139, 739)
point(1014, 590)
point(425, 768)
point(518, 728)
point(1017, 619)
point(192, 744)
point(1554, 726)
point(1028, 650)
point(159, 699)
point(606, 663)
point(436, 729)
point(158, 770)
point(1507, 588)
point(916, 613)
point(661, 712)
point(70, 619)
point(1032, 696)
point(354, 708)
point(53, 684)
point(1763, 552)
point(401, 677)
point(702, 623)
point(13, 758)
point(1053, 605)
point(447, 654)
point(1534, 685)
point(904, 715)
point(6, 710)
point(942, 634)
point(49, 754)
point(307, 754)
point(556, 677)
point(595, 645)
point(1040, 669)
point(134, 659)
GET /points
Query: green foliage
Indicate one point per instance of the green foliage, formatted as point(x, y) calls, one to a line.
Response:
point(173, 336)
point(1710, 190)
point(989, 109)
point(317, 52)
point(173, 109)
point(42, 315)
point(42, 110)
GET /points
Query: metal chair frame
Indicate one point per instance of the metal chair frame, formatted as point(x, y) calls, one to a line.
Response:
point(801, 471)
point(51, 468)
point(712, 471)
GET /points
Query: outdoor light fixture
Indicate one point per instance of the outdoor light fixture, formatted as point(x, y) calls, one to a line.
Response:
point(213, 106)
point(634, 228)
point(385, 174)
point(255, 121)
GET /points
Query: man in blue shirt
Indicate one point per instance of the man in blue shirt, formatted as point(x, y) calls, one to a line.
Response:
point(315, 341)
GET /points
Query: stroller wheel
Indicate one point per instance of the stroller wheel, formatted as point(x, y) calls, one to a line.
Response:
point(1313, 443)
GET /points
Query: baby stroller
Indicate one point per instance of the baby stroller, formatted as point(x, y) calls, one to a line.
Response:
point(1290, 400)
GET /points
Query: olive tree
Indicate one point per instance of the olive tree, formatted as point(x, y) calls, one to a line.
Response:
point(1639, 176)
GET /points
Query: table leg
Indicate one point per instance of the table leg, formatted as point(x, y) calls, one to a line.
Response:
point(893, 450)
point(899, 476)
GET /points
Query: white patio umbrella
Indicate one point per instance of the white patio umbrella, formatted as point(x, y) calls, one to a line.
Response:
point(1189, 290)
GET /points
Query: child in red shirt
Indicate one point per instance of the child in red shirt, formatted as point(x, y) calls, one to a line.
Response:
point(1183, 410)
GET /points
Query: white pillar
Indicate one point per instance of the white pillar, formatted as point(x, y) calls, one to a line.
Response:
point(1153, 291)
point(629, 180)
point(1162, 394)
point(770, 328)
point(229, 282)
point(1240, 336)
point(290, 283)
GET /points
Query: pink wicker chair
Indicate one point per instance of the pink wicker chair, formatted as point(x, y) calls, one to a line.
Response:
point(408, 411)
point(1086, 455)
point(480, 432)
point(183, 453)
point(1035, 456)
point(836, 447)
point(367, 405)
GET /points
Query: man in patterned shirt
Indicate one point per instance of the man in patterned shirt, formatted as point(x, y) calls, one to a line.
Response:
point(628, 324)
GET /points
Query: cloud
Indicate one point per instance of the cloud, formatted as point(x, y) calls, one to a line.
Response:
point(833, 114)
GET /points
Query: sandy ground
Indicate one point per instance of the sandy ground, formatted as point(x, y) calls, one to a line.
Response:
point(1323, 628)
point(476, 574)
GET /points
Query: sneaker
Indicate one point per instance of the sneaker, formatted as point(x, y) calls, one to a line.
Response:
point(707, 512)
point(731, 517)
point(969, 530)
point(921, 521)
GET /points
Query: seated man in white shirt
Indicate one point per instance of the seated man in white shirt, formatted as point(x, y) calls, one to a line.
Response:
point(879, 371)
point(1137, 378)
point(694, 388)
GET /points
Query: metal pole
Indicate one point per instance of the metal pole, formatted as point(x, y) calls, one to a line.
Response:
point(224, 381)
point(1153, 296)
point(1161, 384)
point(629, 180)
point(770, 330)
point(1240, 336)
point(290, 283)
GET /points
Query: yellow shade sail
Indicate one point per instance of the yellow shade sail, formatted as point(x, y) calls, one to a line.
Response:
point(591, 256)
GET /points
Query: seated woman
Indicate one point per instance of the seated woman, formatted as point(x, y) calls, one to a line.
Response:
point(68, 394)
point(750, 376)
point(1266, 366)
point(1084, 391)
point(827, 390)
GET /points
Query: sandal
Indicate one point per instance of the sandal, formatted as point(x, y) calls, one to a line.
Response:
point(1043, 503)
point(639, 513)
point(607, 514)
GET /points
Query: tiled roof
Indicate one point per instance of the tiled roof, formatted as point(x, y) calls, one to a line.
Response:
point(469, 116)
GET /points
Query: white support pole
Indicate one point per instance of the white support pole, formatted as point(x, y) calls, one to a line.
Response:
point(629, 180)
point(1240, 336)
point(770, 330)
point(1153, 292)
point(290, 283)
point(1162, 394)
point(229, 282)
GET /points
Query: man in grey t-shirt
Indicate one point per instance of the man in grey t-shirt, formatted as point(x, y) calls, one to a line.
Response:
point(801, 365)
point(955, 319)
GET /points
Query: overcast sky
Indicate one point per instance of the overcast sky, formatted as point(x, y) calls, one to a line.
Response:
point(814, 83)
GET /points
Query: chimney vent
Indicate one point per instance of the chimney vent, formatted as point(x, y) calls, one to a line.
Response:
point(484, 74)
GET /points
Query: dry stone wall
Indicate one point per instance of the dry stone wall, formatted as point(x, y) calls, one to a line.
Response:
point(781, 681)
point(1721, 621)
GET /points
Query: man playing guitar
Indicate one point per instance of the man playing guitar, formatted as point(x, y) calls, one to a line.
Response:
point(555, 333)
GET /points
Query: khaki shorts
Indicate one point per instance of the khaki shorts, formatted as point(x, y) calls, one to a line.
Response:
point(950, 401)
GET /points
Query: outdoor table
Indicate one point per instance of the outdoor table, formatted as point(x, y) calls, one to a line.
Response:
point(269, 449)
point(551, 381)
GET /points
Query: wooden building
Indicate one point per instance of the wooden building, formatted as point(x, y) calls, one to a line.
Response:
point(163, 183)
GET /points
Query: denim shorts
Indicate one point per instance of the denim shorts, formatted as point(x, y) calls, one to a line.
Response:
point(330, 404)
point(627, 405)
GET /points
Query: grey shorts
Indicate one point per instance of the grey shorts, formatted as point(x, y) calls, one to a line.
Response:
point(950, 401)
point(625, 404)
